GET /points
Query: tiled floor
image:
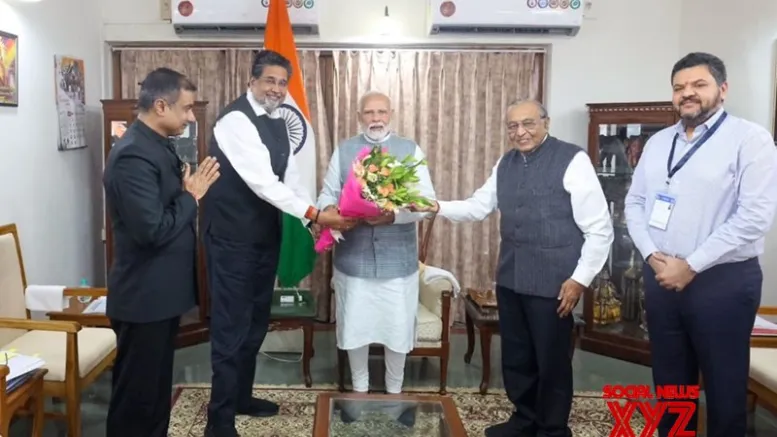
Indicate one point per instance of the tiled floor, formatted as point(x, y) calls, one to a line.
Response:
point(193, 366)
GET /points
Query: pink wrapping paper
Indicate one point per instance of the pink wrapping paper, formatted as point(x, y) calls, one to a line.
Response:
point(351, 204)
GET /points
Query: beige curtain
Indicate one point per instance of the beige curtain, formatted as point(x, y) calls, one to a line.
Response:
point(203, 67)
point(221, 76)
point(452, 103)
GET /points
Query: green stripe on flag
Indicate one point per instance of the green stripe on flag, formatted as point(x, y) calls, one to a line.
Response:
point(298, 255)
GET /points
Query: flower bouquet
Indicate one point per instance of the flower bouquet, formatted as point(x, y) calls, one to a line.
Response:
point(378, 183)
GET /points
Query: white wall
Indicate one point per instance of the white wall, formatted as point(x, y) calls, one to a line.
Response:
point(50, 195)
point(745, 38)
point(619, 55)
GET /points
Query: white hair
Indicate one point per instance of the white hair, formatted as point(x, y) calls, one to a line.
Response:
point(369, 94)
point(539, 105)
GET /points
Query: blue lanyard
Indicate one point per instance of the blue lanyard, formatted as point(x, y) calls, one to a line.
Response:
point(671, 171)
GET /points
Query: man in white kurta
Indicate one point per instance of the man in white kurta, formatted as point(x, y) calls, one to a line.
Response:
point(376, 265)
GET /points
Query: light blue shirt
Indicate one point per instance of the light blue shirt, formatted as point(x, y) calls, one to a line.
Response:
point(725, 194)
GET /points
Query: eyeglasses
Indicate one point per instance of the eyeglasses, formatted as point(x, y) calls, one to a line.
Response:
point(529, 125)
point(271, 81)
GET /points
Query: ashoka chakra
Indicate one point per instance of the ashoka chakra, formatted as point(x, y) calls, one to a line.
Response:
point(295, 125)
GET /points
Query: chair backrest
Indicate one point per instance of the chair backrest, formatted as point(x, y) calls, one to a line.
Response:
point(12, 282)
point(425, 237)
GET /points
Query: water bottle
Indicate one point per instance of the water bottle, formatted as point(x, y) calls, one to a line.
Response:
point(84, 284)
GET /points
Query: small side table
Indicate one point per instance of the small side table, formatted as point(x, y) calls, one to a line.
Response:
point(296, 309)
point(75, 313)
point(29, 394)
point(487, 322)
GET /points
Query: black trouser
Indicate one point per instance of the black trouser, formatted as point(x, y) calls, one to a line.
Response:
point(706, 327)
point(241, 279)
point(536, 362)
point(142, 378)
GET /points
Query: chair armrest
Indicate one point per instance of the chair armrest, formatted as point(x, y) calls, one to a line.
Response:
point(447, 312)
point(768, 311)
point(86, 291)
point(40, 325)
point(71, 334)
point(4, 371)
point(431, 293)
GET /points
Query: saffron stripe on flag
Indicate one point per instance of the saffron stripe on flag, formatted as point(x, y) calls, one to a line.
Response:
point(298, 255)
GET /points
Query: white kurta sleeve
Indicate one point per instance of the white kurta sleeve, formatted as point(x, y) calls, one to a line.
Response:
point(292, 179)
point(482, 203)
point(330, 191)
point(425, 188)
point(590, 212)
point(238, 139)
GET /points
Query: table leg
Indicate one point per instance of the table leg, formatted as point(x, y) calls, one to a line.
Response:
point(470, 338)
point(307, 352)
point(5, 423)
point(485, 350)
point(38, 410)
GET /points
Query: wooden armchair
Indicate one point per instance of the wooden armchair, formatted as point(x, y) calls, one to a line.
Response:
point(434, 318)
point(74, 356)
point(762, 384)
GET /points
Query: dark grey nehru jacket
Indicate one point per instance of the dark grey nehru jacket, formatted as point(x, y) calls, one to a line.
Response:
point(541, 243)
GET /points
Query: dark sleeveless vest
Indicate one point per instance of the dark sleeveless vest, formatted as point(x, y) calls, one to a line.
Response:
point(230, 209)
point(541, 242)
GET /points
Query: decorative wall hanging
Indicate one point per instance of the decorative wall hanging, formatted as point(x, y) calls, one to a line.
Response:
point(71, 102)
point(9, 69)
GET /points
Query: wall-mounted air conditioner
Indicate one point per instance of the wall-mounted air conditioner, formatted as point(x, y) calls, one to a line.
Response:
point(521, 17)
point(240, 16)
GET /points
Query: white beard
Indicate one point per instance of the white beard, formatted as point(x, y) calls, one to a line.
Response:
point(375, 134)
point(270, 105)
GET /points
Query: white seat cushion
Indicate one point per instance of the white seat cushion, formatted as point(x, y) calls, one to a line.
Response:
point(94, 344)
point(429, 326)
point(762, 368)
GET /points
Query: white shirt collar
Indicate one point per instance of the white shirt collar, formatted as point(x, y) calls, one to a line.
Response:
point(383, 140)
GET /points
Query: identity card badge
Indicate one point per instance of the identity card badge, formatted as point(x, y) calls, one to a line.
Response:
point(662, 210)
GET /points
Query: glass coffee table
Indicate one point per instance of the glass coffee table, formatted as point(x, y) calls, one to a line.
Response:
point(358, 415)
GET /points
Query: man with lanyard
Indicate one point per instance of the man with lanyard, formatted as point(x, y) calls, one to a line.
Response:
point(701, 200)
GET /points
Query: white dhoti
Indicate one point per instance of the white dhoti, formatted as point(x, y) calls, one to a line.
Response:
point(371, 311)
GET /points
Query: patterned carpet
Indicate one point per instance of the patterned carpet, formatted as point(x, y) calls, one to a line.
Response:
point(590, 415)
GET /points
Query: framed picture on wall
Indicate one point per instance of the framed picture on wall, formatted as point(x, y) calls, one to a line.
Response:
point(9, 69)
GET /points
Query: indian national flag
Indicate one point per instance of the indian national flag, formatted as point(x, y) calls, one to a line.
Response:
point(297, 253)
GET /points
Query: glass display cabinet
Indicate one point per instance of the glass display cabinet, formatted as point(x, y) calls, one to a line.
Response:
point(118, 115)
point(613, 306)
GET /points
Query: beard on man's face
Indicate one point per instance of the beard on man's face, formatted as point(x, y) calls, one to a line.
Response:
point(376, 131)
point(270, 104)
point(702, 111)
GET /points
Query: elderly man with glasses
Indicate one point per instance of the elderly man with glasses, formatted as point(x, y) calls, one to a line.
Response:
point(556, 234)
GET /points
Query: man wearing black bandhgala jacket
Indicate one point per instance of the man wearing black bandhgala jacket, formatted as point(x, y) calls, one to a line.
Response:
point(152, 199)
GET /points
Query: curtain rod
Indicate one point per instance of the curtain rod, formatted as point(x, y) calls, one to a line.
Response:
point(332, 47)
